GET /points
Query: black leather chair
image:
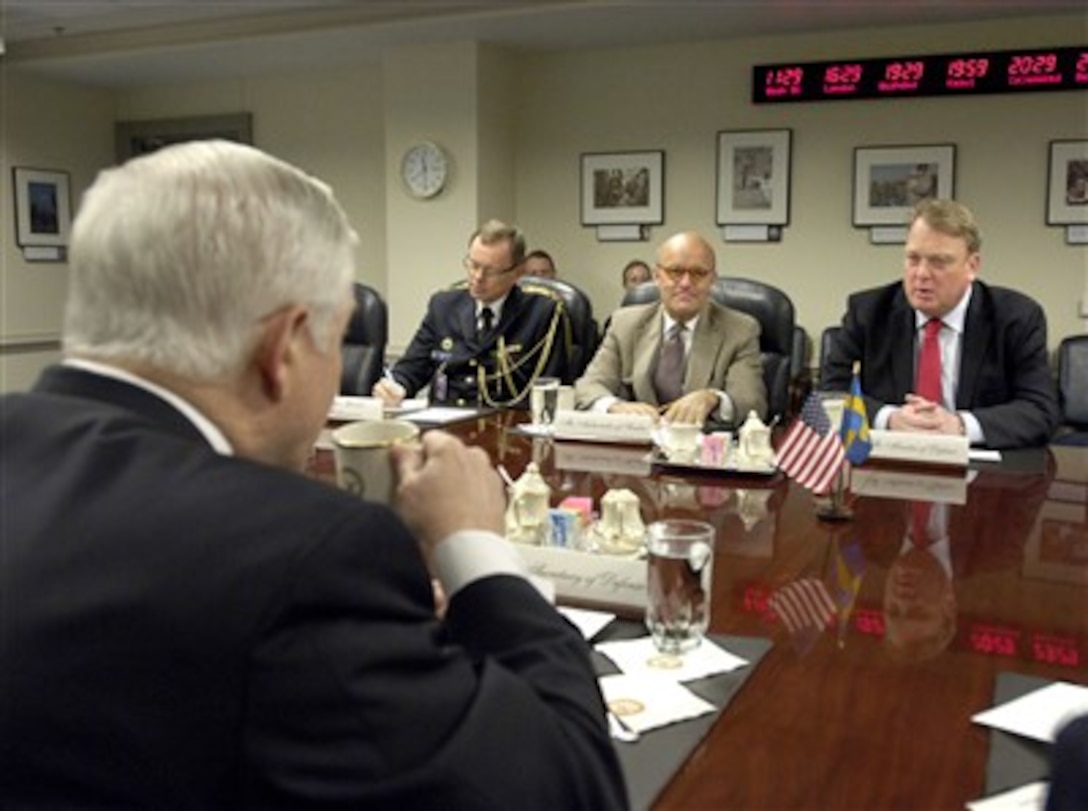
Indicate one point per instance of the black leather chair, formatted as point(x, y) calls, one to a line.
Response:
point(827, 340)
point(363, 349)
point(641, 294)
point(800, 369)
point(774, 311)
point(1073, 390)
point(583, 328)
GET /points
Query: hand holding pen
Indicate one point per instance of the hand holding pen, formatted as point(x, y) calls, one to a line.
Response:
point(388, 389)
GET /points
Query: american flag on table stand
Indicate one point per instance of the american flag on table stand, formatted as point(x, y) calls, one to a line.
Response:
point(811, 452)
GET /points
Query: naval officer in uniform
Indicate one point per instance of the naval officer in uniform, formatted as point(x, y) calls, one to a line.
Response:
point(483, 344)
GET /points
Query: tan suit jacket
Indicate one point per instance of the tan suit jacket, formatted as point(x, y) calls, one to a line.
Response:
point(724, 356)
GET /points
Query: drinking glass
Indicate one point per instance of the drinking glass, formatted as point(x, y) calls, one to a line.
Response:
point(681, 561)
point(544, 400)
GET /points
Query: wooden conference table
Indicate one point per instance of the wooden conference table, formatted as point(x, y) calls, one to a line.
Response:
point(866, 713)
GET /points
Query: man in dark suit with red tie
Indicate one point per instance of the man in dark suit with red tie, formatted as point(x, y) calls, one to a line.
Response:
point(187, 620)
point(485, 343)
point(942, 352)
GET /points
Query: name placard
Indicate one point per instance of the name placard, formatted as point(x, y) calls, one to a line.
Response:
point(585, 577)
point(628, 461)
point(911, 486)
point(589, 426)
point(928, 449)
point(350, 409)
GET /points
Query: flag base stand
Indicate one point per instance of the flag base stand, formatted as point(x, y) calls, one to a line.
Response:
point(830, 511)
point(834, 507)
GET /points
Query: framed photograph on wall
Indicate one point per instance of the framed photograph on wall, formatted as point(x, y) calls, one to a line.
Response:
point(889, 181)
point(1067, 183)
point(43, 213)
point(754, 177)
point(141, 137)
point(623, 188)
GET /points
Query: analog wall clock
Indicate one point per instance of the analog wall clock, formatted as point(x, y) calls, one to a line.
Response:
point(425, 169)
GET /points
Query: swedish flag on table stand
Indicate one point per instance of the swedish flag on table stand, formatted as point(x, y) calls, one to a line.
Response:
point(855, 422)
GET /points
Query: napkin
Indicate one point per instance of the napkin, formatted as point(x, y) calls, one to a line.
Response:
point(588, 622)
point(646, 702)
point(639, 657)
point(1040, 713)
point(1031, 797)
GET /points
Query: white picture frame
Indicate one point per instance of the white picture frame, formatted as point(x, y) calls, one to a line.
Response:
point(890, 180)
point(43, 213)
point(1067, 183)
point(753, 178)
point(623, 188)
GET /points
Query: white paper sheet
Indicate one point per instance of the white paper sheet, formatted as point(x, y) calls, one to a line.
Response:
point(1031, 797)
point(590, 623)
point(439, 415)
point(1040, 713)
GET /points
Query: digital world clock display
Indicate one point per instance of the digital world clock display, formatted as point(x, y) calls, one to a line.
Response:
point(930, 75)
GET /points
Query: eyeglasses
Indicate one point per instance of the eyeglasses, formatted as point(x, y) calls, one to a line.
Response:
point(676, 274)
point(484, 270)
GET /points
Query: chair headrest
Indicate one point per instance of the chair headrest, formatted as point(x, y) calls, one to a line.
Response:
point(368, 323)
point(645, 293)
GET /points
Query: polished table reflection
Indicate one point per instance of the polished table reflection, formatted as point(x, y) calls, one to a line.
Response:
point(872, 712)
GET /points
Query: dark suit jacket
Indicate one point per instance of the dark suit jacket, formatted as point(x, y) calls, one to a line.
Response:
point(183, 629)
point(447, 353)
point(1004, 376)
point(1068, 777)
point(724, 356)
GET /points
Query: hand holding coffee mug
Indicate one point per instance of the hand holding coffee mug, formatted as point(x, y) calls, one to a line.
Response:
point(445, 486)
point(681, 562)
point(363, 464)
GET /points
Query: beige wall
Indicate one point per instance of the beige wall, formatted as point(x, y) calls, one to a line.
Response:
point(52, 126)
point(677, 98)
point(329, 124)
point(516, 128)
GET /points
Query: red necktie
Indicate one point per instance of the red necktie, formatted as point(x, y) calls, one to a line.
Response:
point(928, 384)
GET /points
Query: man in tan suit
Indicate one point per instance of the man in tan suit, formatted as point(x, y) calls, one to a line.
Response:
point(685, 357)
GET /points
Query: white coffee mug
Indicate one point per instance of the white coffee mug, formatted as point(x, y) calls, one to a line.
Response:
point(680, 440)
point(363, 464)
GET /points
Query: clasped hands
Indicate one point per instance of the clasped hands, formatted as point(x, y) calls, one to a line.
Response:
point(920, 415)
point(693, 407)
